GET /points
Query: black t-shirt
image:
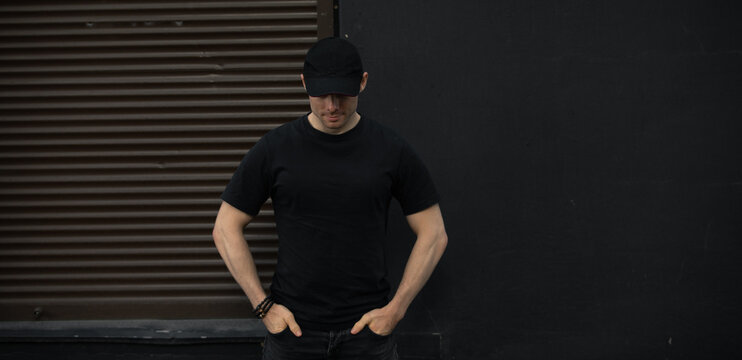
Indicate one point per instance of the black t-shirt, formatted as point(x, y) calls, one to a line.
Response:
point(331, 196)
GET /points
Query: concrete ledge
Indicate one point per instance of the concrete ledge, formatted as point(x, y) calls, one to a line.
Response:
point(211, 339)
point(148, 331)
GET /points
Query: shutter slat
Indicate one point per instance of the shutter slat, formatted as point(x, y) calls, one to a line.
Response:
point(162, 276)
point(61, 18)
point(118, 239)
point(127, 263)
point(114, 215)
point(120, 125)
point(226, 5)
point(130, 141)
point(120, 227)
point(141, 129)
point(152, 92)
point(160, 30)
point(119, 301)
point(120, 166)
point(140, 80)
point(111, 202)
point(102, 104)
point(128, 190)
point(103, 288)
point(53, 68)
point(206, 115)
point(22, 45)
point(209, 251)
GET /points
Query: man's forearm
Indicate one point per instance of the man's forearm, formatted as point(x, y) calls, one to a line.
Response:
point(236, 254)
point(423, 259)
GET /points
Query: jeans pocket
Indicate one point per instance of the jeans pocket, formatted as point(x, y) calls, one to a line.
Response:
point(372, 333)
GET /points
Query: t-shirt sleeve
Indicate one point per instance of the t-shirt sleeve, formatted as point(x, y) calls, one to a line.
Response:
point(413, 187)
point(250, 185)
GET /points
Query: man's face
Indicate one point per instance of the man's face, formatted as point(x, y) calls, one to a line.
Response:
point(336, 113)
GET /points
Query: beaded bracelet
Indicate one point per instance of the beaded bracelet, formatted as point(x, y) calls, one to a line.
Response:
point(262, 309)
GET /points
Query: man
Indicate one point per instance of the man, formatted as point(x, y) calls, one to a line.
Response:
point(331, 175)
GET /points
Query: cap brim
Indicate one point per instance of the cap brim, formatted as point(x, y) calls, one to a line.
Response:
point(335, 85)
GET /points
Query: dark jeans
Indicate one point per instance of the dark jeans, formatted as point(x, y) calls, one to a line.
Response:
point(339, 345)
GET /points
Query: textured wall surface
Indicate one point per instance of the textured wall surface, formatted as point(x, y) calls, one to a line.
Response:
point(588, 157)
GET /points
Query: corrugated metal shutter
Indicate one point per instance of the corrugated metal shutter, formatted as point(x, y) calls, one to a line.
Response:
point(121, 124)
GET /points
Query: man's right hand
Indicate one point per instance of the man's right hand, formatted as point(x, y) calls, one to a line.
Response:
point(279, 318)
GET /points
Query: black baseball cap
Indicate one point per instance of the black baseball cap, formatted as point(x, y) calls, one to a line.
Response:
point(333, 66)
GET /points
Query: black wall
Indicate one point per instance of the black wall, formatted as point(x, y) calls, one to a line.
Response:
point(589, 160)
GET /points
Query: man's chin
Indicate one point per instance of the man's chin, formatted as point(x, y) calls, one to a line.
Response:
point(337, 123)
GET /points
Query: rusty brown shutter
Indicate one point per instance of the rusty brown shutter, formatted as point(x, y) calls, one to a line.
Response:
point(121, 123)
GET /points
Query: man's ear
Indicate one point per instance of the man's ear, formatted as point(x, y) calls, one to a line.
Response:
point(364, 81)
point(304, 84)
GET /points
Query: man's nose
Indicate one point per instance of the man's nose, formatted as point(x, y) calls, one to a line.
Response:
point(333, 102)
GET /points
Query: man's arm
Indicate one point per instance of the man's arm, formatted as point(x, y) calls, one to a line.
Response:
point(428, 249)
point(230, 241)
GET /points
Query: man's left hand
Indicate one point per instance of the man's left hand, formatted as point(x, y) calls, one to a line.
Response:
point(380, 321)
